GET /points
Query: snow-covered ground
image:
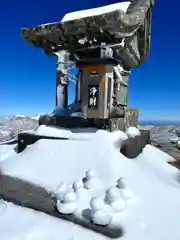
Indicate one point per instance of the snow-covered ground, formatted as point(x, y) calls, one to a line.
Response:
point(6, 151)
point(152, 213)
point(17, 223)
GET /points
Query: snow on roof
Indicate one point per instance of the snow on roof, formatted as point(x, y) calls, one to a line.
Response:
point(154, 183)
point(95, 11)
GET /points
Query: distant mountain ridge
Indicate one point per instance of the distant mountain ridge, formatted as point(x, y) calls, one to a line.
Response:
point(21, 117)
point(159, 123)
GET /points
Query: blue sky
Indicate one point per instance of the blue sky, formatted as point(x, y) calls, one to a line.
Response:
point(27, 75)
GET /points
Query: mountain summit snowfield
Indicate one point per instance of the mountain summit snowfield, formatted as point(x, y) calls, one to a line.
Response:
point(88, 172)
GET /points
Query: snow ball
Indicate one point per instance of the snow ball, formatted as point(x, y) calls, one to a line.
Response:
point(60, 191)
point(92, 183)
point(90, 174)
point(133, 132)
point(127, 194)
point(122, 183)
point(119, 205)
point(112, 194)
point(62, 187)
point(70, 197)
point(101, 218)
point(78, 184)
point(96, 203)
point(82, 193)
point(66, 208)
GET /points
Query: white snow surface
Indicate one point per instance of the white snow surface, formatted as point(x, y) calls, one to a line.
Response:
point(123, 6)
point(32, 225)
point(154, 212)
point(6, 151)
point(75, 134)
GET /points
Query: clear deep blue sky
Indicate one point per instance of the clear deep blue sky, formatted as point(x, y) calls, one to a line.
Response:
point(27, 75)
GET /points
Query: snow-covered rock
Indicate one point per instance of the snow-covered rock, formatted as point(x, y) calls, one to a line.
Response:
point(99, 214)
point(69, 203)
point(133, 132)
